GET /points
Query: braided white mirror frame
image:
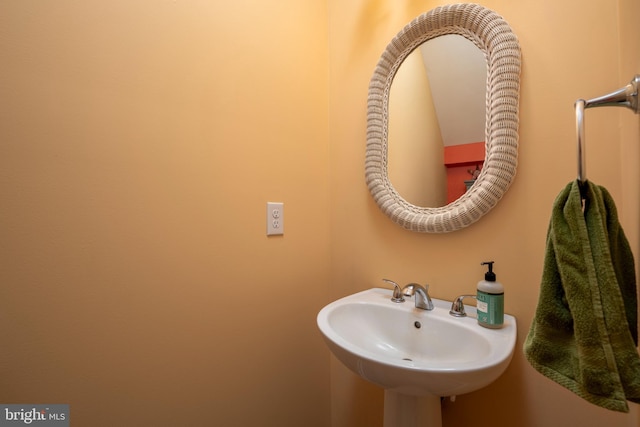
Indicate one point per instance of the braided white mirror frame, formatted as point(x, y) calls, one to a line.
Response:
point(491, 33)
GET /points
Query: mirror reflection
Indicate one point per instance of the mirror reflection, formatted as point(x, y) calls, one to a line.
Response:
point(436, 128)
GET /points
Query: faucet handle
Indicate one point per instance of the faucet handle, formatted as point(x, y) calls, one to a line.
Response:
point(397, 292)
point(457, 307)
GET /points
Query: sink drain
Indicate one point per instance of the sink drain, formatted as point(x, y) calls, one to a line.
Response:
point(417, 324)
point(407, 359)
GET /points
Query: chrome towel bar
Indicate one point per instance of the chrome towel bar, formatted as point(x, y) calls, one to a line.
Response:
point(624, 97)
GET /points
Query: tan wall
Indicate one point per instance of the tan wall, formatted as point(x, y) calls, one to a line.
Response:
point(139, 143)
point(570, 50)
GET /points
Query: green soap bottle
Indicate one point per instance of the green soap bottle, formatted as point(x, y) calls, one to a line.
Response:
point(490, 297)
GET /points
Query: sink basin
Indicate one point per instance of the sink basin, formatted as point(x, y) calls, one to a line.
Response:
point(415, 352)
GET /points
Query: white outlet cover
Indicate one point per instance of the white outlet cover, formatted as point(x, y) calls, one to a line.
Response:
point(275, 218)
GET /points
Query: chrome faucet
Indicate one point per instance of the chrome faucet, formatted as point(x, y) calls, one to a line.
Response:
point(421, 293)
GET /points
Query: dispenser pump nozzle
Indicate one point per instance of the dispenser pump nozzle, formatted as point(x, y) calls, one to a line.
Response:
point(489, 276)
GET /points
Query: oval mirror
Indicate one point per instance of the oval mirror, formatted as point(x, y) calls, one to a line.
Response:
point(494, 165)
point(437, 120)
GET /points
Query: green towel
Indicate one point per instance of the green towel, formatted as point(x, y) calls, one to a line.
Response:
point(584, 333)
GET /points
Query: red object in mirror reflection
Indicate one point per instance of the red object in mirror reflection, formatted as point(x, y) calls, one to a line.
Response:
point(457, 159)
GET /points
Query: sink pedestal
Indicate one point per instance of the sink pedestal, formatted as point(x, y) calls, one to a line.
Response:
point(401, 410)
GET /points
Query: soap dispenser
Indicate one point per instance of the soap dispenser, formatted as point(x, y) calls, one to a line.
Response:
point(490, 305)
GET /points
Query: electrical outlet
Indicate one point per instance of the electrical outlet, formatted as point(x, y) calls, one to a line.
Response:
point(275, 218)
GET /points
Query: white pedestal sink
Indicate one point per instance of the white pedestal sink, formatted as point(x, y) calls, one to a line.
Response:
point(417, 356)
